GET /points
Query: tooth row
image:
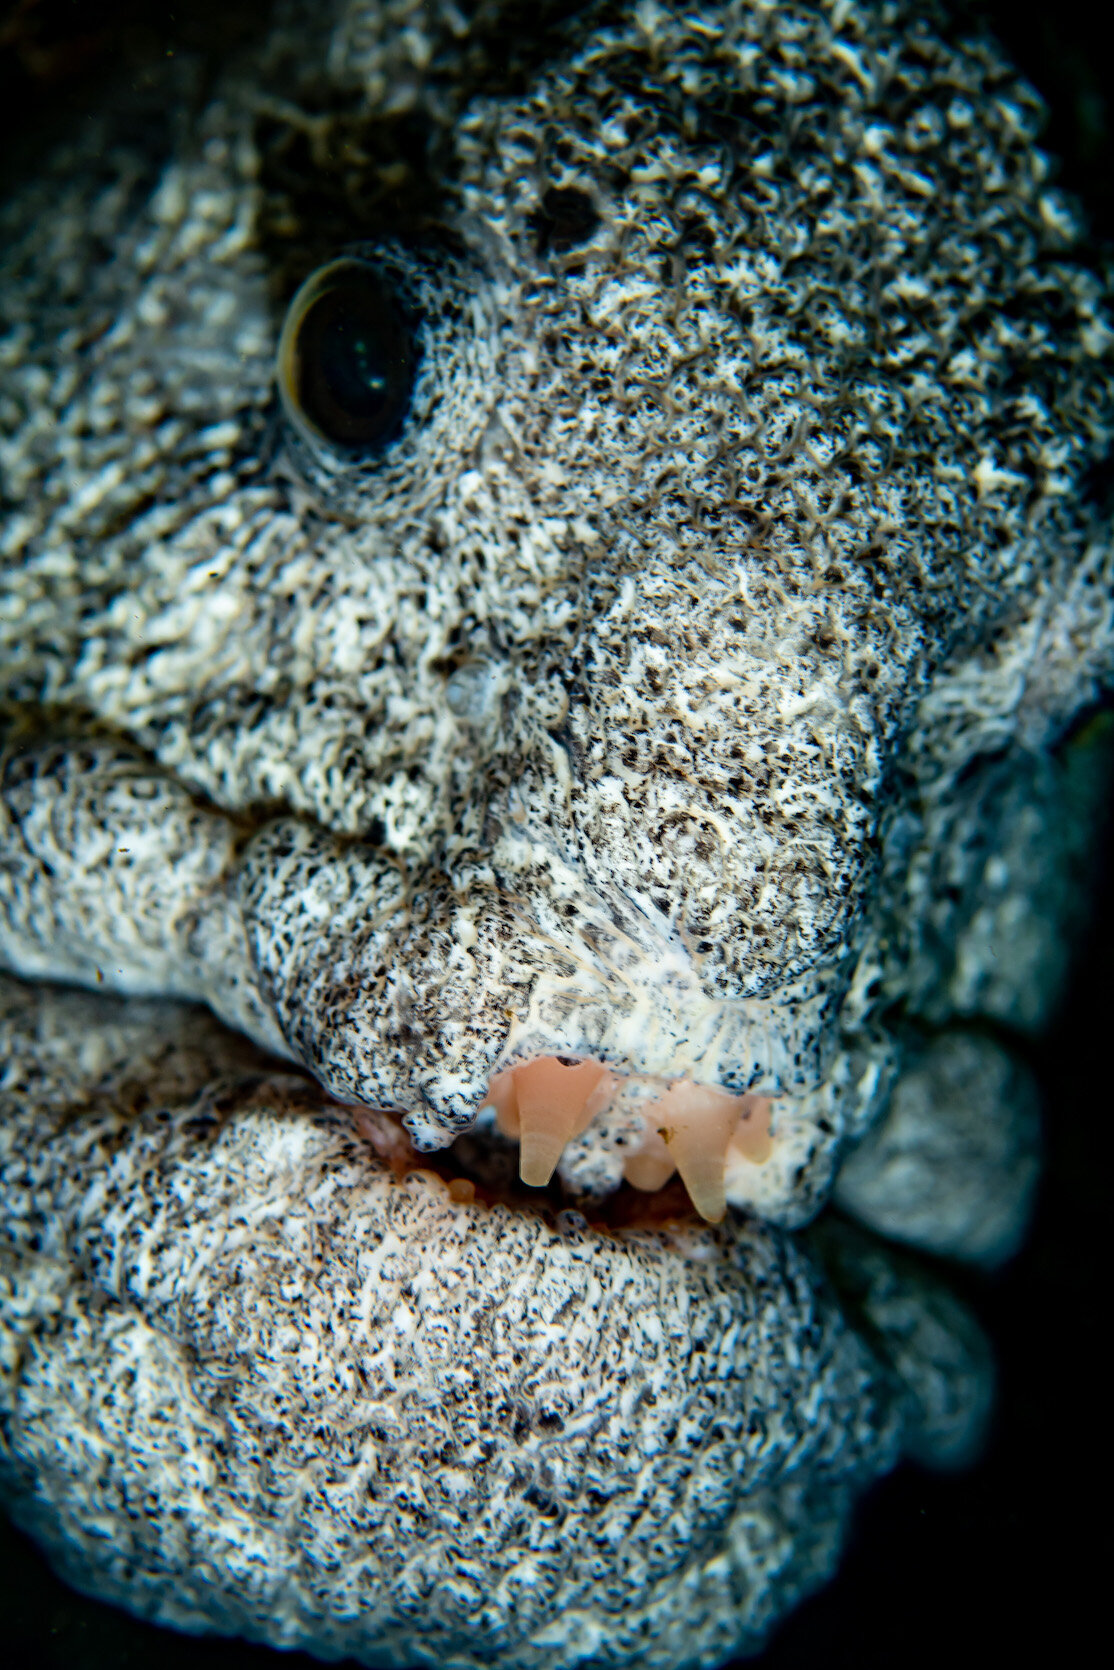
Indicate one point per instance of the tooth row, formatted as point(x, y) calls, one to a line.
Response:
point(692, 1129)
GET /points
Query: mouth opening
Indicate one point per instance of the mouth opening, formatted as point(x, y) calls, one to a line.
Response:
point(665, 1148)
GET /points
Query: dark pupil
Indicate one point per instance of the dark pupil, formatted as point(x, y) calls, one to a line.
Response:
point(355, 364)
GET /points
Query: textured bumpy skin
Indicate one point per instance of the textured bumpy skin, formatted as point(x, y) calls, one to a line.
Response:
point(685, 685)
point(237, 1391)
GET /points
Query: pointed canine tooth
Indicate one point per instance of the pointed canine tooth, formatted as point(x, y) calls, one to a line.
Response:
point(651, 1165)
point(555, 1104)
point(696, 1123)
point(540, 1151)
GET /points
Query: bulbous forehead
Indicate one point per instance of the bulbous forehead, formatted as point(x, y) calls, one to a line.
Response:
point(818, 239)
point(753, 350)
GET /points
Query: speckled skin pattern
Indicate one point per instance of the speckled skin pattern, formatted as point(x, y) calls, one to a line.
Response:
point(681, 687)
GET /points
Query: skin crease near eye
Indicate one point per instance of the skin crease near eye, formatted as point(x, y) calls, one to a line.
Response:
point(555, 643)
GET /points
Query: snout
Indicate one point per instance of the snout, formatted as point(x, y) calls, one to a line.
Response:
point(420, 992)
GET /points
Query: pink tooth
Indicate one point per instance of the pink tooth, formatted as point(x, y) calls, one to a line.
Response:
point(546, 1104)
point(696, 1123)
point(651, 1165)
point(501, 1096)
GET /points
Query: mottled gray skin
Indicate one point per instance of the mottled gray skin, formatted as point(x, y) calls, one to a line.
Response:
point(680, 687)
point(953, 1165)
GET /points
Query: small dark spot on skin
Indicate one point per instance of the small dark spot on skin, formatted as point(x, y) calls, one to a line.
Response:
point(544, 1504)
point(1097, 484)
point(695, 231)
point(564, 218)
point(520, 1428)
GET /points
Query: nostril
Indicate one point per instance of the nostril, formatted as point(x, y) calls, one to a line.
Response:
point(565, 217)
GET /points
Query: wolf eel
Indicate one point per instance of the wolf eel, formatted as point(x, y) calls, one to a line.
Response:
point(540, 551)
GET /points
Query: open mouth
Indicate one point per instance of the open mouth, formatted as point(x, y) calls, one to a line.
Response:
point(657, 1131)
point(604, 1074)
point(653, 1133)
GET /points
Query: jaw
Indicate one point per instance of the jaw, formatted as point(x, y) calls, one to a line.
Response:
point(369, 1359)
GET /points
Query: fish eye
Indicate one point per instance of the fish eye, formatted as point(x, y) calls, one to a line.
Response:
point(346, 360)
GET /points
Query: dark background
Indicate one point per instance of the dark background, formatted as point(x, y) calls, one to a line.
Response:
point(1006, 1561)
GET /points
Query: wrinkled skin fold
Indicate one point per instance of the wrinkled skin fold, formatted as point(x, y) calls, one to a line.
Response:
point(688, 686)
